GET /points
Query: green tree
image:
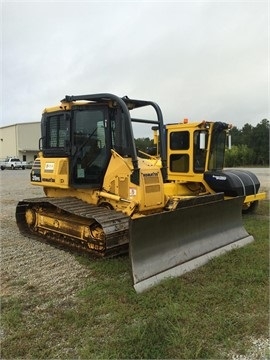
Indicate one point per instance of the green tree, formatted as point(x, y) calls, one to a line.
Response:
point(236, 135)
point(143, 144)
point(247, 135)
point(261, 142)
point(231, 156)
point(239, 155)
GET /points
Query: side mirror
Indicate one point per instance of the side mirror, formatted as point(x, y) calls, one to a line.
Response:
point(229, 141)
point(202, 140)
point(40, 143)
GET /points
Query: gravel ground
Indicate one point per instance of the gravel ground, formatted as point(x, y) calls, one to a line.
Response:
point(27, 264)
point(260, 350)
point(55, 275)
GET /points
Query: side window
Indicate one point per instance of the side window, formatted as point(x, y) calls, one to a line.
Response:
point(179, 140)
point(179, 163)
point(199, 153)
point(120, 136)
point(179, 146)
point(55, 134)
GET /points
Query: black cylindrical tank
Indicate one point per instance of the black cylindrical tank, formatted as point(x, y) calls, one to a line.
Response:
point(233, 182)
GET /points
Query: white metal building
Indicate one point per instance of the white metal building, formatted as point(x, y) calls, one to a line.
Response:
point(20, 140)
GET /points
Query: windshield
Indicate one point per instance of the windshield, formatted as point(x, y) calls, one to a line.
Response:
point(89, 126)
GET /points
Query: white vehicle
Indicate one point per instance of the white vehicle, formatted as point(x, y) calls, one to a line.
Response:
point(13, 163)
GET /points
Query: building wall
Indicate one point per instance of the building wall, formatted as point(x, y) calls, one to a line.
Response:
point(20, 140)
point(7, 141)
point(28, 136)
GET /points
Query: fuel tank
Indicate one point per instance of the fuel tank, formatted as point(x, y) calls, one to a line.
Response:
point(232, 182)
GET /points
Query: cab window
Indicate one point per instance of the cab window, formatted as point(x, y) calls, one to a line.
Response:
point(179, 146)
point(179, 140)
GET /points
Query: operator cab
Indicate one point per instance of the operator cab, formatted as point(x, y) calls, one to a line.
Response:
point(86, 128)
point(85, 134)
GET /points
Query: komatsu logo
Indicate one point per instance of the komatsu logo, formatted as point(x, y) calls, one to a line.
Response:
point(219, 177)
point(150, 174)
point(48, 179)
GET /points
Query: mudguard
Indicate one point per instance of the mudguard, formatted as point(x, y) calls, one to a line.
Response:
point(169, 244)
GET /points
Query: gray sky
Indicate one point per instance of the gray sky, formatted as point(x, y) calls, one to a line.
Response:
point(196, 59)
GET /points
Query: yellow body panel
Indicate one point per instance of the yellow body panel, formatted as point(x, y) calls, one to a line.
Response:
point(256, 197)
point(63, 106)
point(54, 172)
point(117, 191)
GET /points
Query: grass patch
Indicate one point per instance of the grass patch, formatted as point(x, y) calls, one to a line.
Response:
point(204, 314)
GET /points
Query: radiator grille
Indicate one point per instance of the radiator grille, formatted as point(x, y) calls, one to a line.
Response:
point(152, 189)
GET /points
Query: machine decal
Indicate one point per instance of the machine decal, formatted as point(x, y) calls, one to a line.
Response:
point(49, 167)
point(35, 177)
point(132, 191)
point(219, 177)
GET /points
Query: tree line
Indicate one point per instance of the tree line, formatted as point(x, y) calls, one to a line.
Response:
point(250, 145)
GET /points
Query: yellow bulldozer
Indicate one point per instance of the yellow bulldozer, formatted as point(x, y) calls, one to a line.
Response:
point(172, 210)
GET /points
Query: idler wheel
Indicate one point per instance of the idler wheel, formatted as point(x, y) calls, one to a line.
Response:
point(97, 231)
point(30, 217)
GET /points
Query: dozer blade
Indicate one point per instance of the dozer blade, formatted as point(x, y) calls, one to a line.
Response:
point(172, 243)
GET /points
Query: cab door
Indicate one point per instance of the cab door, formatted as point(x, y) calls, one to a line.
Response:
point(91, 146)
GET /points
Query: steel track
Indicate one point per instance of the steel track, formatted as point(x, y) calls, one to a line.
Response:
point(114, 224)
